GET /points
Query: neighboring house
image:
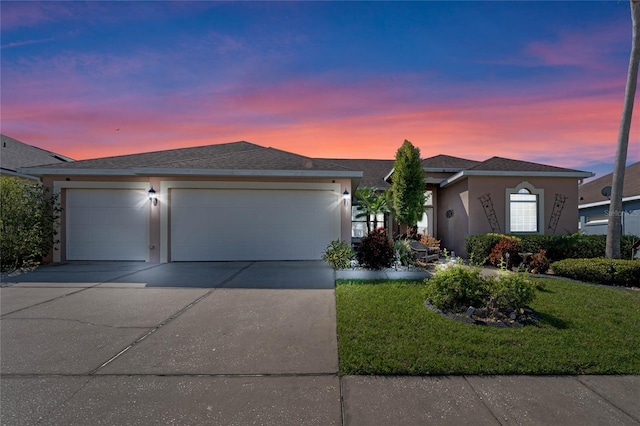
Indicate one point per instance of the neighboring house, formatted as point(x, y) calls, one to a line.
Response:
point(241, 201)
point(15, 155)
point(234, 201)
point(594, 204)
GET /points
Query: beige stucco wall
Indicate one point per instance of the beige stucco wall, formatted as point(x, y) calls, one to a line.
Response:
point(453, 228)
point(155, 219)
point(463, 198)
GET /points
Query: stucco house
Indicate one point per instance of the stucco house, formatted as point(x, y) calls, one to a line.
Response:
point(234, 201)
point(15, 155)
point(241, 201)
point(467, 197)
point(594, 203)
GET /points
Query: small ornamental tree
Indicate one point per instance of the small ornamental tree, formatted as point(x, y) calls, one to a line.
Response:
point(408, 185)
point(27, 217)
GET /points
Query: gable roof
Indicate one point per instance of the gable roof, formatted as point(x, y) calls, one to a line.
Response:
point(15, 155)
point(590, 192)
point(447, 163)
point(373, 171)
point(229, 159)
point(499, 166)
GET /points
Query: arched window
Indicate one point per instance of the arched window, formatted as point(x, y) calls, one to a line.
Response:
point(524, 208)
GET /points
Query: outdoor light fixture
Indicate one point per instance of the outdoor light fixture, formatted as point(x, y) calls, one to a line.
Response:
point(345, 197)
point(153, 197)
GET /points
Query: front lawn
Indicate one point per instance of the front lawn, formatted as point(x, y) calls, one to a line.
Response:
point(384, 328)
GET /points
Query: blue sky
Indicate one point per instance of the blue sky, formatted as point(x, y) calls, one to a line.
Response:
point(538, 81)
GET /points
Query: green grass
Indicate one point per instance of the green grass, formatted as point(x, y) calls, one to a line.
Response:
point(384, 328)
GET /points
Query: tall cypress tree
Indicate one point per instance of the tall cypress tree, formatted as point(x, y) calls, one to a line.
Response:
point(408, 185)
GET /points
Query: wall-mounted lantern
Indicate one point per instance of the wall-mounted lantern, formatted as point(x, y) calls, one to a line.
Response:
point(345, 197)
point(153, 197)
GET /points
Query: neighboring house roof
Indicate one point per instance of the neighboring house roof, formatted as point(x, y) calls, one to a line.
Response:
point(229, 159)
point(373, 171)
point(15, 155)
point(591, 192)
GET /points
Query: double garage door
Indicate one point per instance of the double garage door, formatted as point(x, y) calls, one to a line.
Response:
point(252, 224)
point(203, 224)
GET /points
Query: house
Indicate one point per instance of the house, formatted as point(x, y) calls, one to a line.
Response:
point(498, 195)
point(234, 201)
point(242, 201)
point(594, 203)
point(15, 155)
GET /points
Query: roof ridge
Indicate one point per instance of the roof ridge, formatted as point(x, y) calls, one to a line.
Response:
point(212, 155)
point(310, 158)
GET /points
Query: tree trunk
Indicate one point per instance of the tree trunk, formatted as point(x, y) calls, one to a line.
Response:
point(614, 229)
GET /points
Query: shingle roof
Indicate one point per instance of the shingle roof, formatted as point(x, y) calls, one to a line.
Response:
point(373, 171)
point(508, 165)
point(15, 154)
point(447, 163)
point(590, 192)
point(229, 156)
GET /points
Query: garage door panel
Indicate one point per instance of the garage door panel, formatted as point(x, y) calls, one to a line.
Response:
point(221, 224)
point(107, 224)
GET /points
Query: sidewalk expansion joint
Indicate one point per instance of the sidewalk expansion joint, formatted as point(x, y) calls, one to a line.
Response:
point(225, 282)
point(481, 399)
point(152, 330)
point(78, 321)
point(607, 400)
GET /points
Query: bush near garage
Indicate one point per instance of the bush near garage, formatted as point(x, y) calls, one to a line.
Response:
point(338, 254)
point(601, 271)
point(376, 250)
point(28, 213)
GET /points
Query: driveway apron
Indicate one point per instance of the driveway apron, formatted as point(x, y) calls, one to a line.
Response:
point(183, 343)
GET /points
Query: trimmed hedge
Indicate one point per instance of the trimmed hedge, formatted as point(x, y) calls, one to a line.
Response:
point(557, 247)
point(602, 271)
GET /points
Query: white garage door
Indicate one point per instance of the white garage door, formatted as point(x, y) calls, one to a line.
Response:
point(107, 224)
point(252, 224)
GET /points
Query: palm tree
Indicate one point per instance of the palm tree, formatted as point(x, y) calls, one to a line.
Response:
point(614, 229)
point(370, 202)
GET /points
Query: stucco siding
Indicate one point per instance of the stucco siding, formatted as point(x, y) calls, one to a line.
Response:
point(453, 217)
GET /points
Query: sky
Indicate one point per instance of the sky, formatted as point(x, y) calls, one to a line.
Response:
point(529, 80)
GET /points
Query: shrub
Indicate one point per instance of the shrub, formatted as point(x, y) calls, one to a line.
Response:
point(539, 263)
point(506, 250)
point(512, 290)
point(457, 287)
point(28, 214)
point(403, 249)
point(376, 250)
point(478, 247)
point(557, 247)
point(602, 271)
point(338, 254)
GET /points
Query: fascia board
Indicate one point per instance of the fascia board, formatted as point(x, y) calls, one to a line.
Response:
point(467, 173)
point(20, 175)
point(606, 202)
point(386, 178)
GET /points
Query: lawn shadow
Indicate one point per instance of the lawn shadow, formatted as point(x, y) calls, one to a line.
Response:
point(553, 321)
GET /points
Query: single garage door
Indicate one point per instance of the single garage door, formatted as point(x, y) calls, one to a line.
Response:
point(107, 224)
point(252, 224)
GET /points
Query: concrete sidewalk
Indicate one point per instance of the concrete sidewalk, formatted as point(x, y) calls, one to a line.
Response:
point(118, 353)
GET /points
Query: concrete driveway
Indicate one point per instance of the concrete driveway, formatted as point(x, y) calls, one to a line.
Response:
point(267, 275)
point(123, 344)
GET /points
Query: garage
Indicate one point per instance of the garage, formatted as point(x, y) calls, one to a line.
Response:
point(252, 224)
point(106, 224)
